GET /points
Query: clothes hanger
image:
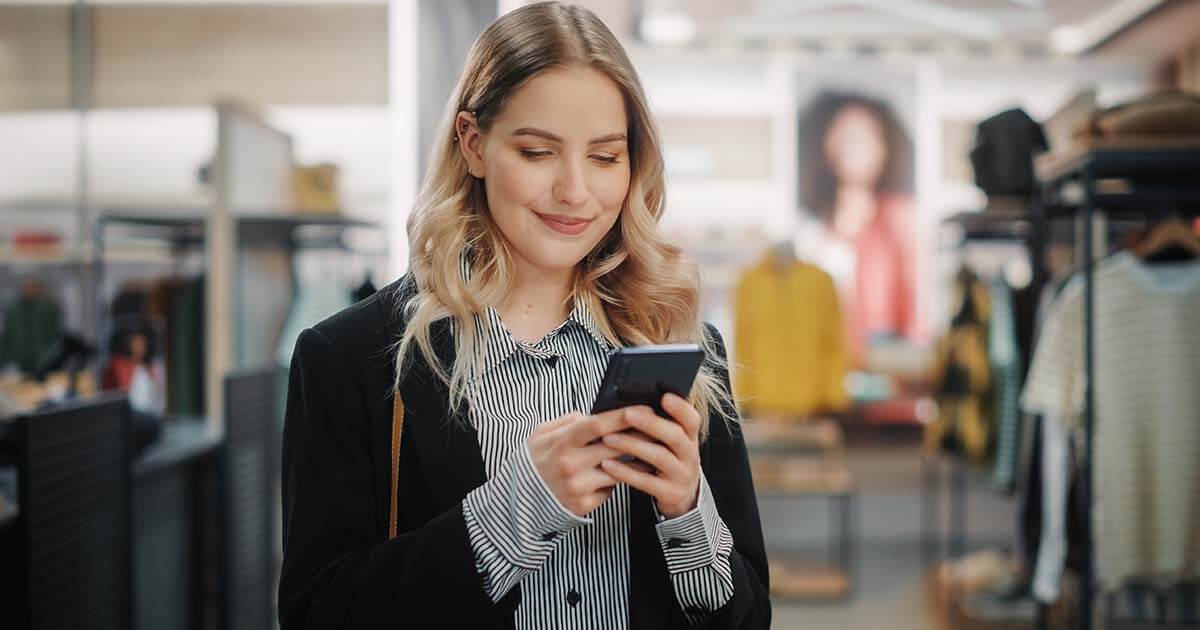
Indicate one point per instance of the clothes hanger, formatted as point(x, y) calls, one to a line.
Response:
point(783, 255)
point(1167, 239)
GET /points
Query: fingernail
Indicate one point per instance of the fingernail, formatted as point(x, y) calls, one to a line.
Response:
point(612, 438)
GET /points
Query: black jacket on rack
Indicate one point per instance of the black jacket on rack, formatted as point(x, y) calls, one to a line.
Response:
point(339, 568)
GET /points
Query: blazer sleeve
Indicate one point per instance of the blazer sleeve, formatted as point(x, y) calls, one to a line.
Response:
point(339, 569)
point(727, 468)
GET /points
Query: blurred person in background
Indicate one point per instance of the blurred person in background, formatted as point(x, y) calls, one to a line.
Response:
point(535, 252)
point(135, 367)
point(856, 183)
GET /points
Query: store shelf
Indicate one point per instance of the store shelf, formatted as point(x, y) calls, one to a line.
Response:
point(42, 256)
point(800, 476)
point(818, 436)
point(134, 253)
point(1127, 176)
point(1159, 158)
point(800, 582)
point(187, 230)
point(991, 225)
point(949, 609)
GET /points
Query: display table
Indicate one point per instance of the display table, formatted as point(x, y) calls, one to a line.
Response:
point(802, 461)
point(26, 394)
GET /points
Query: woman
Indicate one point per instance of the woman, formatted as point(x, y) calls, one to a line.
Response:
point(535, 253)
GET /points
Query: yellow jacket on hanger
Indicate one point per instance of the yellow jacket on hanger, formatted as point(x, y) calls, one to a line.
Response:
point(790, 344)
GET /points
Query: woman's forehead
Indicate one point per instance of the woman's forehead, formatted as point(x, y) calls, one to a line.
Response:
point(576, 105)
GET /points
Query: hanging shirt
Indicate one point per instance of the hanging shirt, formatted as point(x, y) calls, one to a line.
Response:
point(146, 390)
point(962, 375)
point(573, 571)
point(1056, 482)
point(790, 344)
point(319, 294)
point(1005, 359)
point(1146, 445)
point(31, 326)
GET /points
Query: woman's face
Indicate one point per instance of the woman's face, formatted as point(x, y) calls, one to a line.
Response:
point(137, 347)
point(855, 147)
point(555, 166)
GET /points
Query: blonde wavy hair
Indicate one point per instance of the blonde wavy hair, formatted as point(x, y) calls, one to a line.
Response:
point(636, 283)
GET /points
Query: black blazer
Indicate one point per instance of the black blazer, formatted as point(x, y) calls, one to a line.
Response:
point(339, 568)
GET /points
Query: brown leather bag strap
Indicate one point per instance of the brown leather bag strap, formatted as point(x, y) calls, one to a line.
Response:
point(397, 431)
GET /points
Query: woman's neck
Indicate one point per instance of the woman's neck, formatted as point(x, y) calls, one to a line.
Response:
point(854, 209)
point(536, 303)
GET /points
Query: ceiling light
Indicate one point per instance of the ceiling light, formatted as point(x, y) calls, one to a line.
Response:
point(668, 28)
point(667, 24)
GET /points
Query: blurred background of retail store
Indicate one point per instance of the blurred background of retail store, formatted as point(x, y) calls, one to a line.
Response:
point(892, 203)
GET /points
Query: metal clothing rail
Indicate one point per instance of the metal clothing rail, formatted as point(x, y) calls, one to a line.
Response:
point(1122, 182)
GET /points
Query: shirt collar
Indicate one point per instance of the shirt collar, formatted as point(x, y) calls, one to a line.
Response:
point(500, 344)
point(582, 315)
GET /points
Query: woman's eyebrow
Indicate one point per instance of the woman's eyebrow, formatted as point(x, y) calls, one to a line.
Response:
point(546, 135)
point(612, 137)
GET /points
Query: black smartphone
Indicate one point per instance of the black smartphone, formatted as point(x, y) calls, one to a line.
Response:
point(641, 375)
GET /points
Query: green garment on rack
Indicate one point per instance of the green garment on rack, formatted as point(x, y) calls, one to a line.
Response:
point(185, 363)
point(31, 327)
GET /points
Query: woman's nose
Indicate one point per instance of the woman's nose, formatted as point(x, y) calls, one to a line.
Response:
point(570, 188)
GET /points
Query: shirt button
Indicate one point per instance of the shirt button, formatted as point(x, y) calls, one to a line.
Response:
point(676, 543)
point(573, 598)
point(552, 361)
point(548, 536)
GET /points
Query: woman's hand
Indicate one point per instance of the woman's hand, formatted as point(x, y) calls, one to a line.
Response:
point(670, 446)
point(566, 453)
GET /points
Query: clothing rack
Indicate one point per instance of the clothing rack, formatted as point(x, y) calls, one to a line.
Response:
point(191, 233)
point(1123, 182)
point(250, 202)
point(998, 227)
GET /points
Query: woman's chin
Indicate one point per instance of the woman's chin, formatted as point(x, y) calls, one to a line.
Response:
point(553, 257)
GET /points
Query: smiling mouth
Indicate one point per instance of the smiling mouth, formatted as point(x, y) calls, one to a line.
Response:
point(571, 226)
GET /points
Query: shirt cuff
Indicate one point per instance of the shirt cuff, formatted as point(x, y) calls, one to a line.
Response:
point(690, 541)
point(514, 523)
point(697, 547)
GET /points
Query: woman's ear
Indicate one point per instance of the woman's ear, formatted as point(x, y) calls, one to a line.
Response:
point(470, 142)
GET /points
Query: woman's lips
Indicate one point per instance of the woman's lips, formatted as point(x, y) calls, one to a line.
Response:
point(571, 226)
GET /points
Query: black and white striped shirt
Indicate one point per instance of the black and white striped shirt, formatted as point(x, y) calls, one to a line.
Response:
point(573, 572)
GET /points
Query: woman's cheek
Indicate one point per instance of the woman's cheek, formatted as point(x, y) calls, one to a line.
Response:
point(612, 190)
point(518, 181)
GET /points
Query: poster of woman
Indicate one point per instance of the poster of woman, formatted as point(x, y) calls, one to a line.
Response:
point(856, 198)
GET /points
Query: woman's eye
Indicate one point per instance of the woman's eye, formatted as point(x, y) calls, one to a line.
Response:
point(534, 155)
point(606, 159)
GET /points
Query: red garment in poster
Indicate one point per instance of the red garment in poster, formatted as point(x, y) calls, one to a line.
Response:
point(884, 285)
